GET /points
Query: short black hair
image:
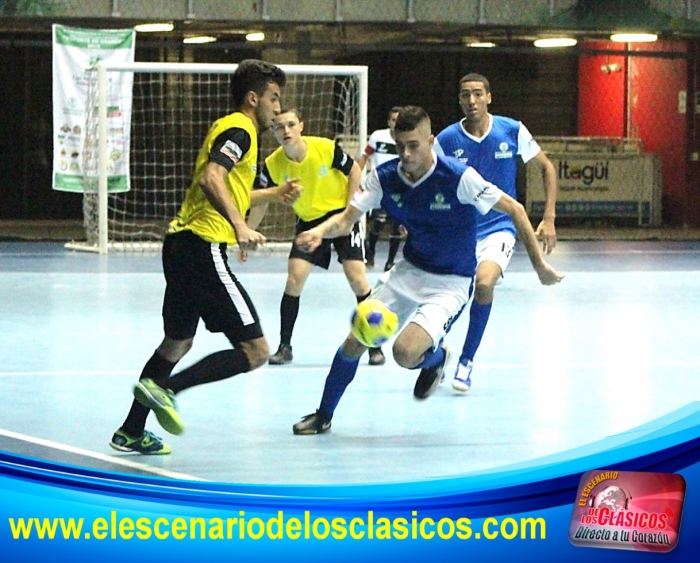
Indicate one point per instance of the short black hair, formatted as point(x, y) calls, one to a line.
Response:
point(475, 77)
point(395, 109)
point(254, 75)
point(410, 117)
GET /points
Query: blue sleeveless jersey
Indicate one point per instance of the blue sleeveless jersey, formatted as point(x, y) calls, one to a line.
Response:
point(441, 229)
point(494, 157)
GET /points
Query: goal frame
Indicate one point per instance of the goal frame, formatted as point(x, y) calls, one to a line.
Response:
point(102, 68)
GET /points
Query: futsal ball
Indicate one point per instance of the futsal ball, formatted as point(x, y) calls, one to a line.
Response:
point(373, 323)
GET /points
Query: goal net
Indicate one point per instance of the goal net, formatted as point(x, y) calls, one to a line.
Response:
point(173, 105)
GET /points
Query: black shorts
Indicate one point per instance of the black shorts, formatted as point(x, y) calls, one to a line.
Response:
point(199, 284)
point(348, 247)
point(378, 214)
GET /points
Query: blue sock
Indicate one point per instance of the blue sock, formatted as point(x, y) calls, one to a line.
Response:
point(478, 318)
point(342, 372)
point(432, 358)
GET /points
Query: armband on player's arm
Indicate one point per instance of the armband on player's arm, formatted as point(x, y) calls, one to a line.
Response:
point(341, 160)
point(230, 147)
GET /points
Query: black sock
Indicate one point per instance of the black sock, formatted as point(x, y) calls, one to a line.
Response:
point(393, 249)
point(289, 309)
point(214, 367)
point(372, 247)
point(361, 298)
point(158, 369)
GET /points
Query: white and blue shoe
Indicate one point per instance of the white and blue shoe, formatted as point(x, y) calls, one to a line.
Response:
point(462, 380)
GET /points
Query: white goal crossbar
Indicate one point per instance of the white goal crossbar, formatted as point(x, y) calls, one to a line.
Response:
point(358, 134)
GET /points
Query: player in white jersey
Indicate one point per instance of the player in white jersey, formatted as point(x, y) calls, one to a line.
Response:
point(381, 148)
point(437, 199)
point(491, 144)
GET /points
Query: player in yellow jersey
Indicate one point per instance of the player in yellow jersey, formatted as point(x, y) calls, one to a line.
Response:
point(328, 178)
point(199, 282)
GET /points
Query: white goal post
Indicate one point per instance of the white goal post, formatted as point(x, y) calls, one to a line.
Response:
point(173, 105)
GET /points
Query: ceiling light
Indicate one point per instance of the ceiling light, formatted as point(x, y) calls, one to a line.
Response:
point(481, 44)
point(153, 27)
point(556, 42)
point(255, 36)
point(199, 39)
point(634, 37)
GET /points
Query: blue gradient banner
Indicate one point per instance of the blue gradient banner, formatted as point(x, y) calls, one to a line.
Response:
point(520, 513)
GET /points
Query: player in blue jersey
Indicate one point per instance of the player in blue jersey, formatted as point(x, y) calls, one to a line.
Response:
point(437, 199)
point(491, 144)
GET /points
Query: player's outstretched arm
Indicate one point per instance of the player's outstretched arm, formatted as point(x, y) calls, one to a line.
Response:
point(336, 226)
point(362, 160)
point(286, 193)
point(354, 179)
point(255, 217)
point(546, 231)
point(547, 274)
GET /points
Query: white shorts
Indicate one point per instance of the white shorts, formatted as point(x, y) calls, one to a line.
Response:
point(432, 301)
point(496, 247)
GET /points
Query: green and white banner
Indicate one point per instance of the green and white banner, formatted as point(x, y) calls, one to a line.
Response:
point(75, 52)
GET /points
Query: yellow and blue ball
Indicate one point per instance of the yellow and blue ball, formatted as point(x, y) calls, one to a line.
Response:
point(373, 323)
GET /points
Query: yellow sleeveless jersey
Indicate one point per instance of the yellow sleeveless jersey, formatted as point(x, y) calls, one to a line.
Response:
point(197, 214)
point(324, 188)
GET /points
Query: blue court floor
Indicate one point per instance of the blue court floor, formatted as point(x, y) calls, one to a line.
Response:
point(612, 347)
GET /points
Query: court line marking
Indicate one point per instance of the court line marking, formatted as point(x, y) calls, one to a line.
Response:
point(626, 252)
point(560, 251)
point(101, 457)
point(605, 252)
point(286, 369)
point(67, 372)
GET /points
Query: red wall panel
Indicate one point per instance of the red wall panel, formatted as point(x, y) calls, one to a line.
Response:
point(601, 98)
point(654, 86)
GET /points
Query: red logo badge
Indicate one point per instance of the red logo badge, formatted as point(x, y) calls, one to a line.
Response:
point(628, 510)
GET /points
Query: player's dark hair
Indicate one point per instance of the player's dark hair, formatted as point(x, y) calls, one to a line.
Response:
point(409, 118)
point(395, 109)
point(253, 75)
point(476, 77)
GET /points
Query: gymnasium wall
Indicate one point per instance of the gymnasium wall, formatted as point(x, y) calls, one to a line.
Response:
point(553, 93)
point(541, 91)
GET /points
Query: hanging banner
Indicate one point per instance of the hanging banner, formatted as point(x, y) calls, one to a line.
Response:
point(75, 53)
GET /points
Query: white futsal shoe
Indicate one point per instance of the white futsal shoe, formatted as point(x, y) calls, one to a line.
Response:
point(462, 380)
